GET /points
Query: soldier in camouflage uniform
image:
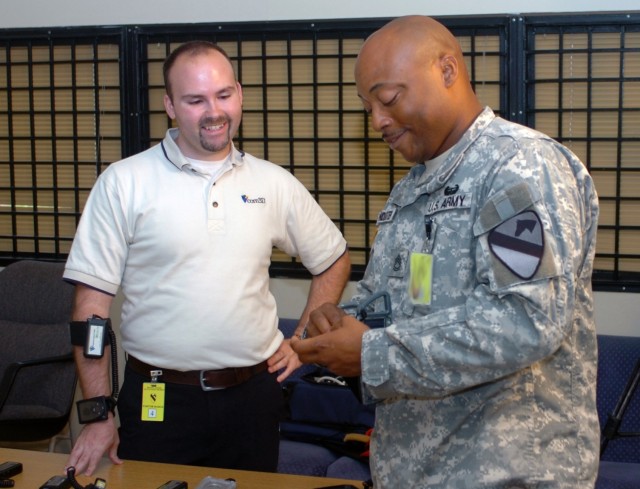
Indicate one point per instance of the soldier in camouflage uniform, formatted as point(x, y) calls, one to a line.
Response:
point(486, 376)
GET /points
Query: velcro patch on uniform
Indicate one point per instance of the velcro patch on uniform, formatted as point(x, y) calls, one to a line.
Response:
point(504, 205)
point(519, 244)
point(386, 215)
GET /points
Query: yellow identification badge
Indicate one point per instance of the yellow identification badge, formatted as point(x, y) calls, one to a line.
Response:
point(152, 401)
point(420, 278)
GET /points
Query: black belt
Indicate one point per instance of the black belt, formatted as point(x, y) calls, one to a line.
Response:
point(207, 379)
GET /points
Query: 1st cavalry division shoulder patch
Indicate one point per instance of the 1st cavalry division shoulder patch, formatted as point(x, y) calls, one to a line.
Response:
point(519, 244)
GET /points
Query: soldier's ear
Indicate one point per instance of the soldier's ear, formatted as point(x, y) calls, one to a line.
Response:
point(450, 69)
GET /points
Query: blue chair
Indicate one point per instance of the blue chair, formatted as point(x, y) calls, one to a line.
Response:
point(619, 411)
point(302, 458)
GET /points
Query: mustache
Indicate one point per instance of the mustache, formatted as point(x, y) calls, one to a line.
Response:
point(212, 121)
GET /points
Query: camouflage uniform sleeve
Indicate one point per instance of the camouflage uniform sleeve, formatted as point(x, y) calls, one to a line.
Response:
point(520, 300)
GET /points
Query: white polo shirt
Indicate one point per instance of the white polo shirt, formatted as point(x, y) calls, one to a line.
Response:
point(192, 253)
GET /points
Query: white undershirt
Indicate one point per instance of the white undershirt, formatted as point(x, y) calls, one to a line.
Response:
point(211, 169)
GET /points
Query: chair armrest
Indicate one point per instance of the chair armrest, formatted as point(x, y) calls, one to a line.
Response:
point(10, 374)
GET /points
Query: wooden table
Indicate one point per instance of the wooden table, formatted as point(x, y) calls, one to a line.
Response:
point(38, 467)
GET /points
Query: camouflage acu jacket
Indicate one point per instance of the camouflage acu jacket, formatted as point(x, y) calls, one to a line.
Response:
point(491, 384)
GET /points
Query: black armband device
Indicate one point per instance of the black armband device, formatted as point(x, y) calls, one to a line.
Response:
point(92, 335)
point(95, 409)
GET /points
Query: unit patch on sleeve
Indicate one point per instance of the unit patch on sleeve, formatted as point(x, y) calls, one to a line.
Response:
point(519, 243)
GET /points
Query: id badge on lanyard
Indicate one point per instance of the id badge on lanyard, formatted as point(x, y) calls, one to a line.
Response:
point(153, 398)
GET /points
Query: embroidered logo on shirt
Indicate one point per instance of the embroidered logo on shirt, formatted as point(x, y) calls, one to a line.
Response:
point(259, 200)
point(519, 244)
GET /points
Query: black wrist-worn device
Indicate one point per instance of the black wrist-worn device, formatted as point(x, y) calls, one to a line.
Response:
point(95, 409)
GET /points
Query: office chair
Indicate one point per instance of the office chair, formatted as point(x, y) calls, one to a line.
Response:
point(37, 372)
point(611, 429)
point(619, 411)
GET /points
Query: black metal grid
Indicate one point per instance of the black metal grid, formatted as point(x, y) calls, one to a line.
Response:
point(347, 168)
point(590, 67)
point(54, 133)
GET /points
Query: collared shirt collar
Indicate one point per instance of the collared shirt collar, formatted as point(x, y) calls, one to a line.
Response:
point(174, 155)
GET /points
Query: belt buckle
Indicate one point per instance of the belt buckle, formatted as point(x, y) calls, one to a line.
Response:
point(206, 387)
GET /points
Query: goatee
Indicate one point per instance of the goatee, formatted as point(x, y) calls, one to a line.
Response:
point(216, 146)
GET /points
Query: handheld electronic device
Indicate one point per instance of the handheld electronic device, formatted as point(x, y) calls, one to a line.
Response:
point(377, 319)
point(97, 329)
point(9, 469)
point(173, 484)
point(57, 482)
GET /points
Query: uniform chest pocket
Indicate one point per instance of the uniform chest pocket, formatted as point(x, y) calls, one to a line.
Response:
point(451, 234)
point(448, 220)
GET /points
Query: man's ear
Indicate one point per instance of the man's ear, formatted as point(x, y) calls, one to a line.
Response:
point(239, 89)
point(168, 106)
point(449, 67)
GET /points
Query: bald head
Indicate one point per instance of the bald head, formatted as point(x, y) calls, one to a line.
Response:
point(412, 78)
point(417, 30)
point(412, 39)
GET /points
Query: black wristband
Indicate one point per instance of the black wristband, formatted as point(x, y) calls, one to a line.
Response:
point(95, 409)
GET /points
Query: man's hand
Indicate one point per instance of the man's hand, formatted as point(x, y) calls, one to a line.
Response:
point(284, 358)
point(94, 441)
point(339, 349)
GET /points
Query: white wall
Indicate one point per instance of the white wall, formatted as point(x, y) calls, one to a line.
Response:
point(47, 13)
point(616, 313)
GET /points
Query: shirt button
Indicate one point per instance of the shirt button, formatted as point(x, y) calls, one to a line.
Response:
point(215, 204)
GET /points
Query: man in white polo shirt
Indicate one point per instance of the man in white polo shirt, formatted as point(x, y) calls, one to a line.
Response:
point(186, 230)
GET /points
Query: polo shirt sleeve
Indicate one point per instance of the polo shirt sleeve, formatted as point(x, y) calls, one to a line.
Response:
point(310, 233)
point(99, 249)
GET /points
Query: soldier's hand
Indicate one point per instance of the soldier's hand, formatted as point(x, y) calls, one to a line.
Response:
point(339, 350)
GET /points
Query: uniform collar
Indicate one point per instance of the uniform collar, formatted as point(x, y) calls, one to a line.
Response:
point(434, 181)
point(431, 182)
point(174, 155)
